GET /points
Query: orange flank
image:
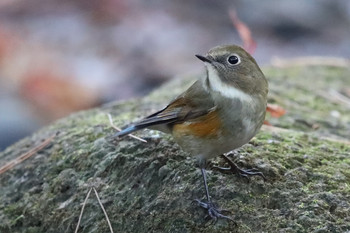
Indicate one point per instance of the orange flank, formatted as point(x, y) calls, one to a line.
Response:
point(205, 126)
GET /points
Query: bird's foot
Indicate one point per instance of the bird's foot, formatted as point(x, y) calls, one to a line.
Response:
point(245, 173)
point(213, 212)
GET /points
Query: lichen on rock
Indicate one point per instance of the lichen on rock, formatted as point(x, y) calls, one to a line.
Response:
point(149, 187)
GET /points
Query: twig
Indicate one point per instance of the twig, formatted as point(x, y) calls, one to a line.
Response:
point(118, 129)
point(101, 205)
point(340, 97)
point(274, 129)
point(336, 97)
point(103, 209)
point(312, 60)
point(82, 210)
point(244, 32)
point(26, 155)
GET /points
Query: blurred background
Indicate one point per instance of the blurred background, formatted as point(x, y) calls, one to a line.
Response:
point(61, 56)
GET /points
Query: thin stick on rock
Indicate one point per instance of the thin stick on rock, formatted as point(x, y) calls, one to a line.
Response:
point(103, 209)
point(310, 61)
point(82, 211)
point(101, 205)
point(26, 155)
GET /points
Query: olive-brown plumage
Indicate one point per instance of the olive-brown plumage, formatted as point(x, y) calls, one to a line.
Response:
point(218, 113)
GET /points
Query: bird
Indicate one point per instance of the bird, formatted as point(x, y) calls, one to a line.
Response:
point(223, 110)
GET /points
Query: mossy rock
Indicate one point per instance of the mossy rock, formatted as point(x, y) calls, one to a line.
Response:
point(149, 187)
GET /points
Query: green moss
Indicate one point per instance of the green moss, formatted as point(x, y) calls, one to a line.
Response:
point(149, 187)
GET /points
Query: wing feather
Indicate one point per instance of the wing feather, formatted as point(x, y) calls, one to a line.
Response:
point(193, 103)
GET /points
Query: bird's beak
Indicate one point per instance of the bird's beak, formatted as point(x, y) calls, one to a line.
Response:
point(204, 59)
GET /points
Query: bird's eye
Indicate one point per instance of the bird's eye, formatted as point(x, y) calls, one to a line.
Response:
point(233, 60)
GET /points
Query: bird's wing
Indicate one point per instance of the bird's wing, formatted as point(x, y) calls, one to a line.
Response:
point(193, 103)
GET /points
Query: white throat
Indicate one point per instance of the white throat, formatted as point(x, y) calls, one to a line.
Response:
point(226, 90)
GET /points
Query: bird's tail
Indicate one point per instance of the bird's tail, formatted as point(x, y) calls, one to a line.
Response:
point(158, 118)
point(128, 130)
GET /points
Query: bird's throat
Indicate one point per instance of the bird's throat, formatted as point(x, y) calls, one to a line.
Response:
point(216, 84)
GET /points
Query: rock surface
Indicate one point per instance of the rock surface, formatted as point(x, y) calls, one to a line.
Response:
point(149, 187)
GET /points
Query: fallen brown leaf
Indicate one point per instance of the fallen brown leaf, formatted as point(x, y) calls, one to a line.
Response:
point(275, 110)
point(244, 32)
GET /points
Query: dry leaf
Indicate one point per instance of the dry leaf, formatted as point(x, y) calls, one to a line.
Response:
point(275, 110)
point(244, 32)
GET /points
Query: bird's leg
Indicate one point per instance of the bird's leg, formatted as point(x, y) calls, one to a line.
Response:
point(213, 212)
point(239, 171)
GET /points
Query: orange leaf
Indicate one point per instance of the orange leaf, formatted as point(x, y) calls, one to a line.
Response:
point(275, 110)
point(267, 123)
point(244, 32)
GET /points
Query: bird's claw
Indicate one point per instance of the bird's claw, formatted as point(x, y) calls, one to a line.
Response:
point(213, 212)
point(249, 172)
point(245, 173)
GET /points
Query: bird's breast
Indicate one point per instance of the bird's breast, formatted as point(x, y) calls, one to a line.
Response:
point(241, 118)
point(226, 128)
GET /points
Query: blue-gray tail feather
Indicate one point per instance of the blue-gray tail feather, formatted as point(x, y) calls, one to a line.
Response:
point(126, 131)
point(151, 120)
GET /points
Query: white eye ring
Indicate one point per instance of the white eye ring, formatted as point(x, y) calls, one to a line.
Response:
point(234, 59)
